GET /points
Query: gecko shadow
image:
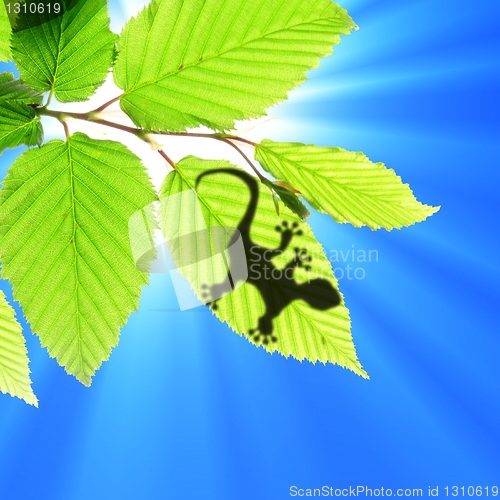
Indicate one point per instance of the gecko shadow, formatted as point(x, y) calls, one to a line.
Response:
point(277, 286)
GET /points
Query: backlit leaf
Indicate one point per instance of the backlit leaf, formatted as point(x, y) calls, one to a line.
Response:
point(18, 121)
point(183, 63)
point(69, 54)
point(5, 31)
point(346, 185)
point(64, 245)
point(291, 200)
point(302, 331)
point(14, 371)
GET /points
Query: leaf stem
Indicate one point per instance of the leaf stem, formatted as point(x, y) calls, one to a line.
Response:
point(166, 157)
point(51, 93)
point(106, 104)
point(227, 141)
point(66, 129)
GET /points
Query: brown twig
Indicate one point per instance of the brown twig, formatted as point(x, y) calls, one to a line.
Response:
point(143, 134)
point(167, 159)
point(227, 141)
point(106, 104)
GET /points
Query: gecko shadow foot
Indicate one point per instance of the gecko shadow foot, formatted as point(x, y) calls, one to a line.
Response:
point(277, 286)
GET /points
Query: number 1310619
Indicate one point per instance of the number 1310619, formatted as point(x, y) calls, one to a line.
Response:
point(33, 8)
point(471, 491)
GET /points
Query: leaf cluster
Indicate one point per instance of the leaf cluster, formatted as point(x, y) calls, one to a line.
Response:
point(66, 206)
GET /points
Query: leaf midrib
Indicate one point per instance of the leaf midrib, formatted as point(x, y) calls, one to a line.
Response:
point(77, 282)
point(316, 174)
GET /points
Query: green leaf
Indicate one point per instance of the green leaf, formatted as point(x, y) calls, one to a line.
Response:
point(5, 31)
point(70, 54)
point(345, 185)
point(287, 186)
point(64, 245)
point(211, 62)
point(19, 123)
point(301, 331)
point(288, 195)
point(14, 371)
point(12, 90)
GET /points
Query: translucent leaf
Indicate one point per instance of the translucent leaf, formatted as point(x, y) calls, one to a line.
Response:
point(18, 125)
point(288, 195)
point(14, 90)
point(64, 245)
point(14, 371)
point(70, 54)
point(5, 31)
point(345, 185)
point(300, 330)
point(211, 62)
point(18, 121)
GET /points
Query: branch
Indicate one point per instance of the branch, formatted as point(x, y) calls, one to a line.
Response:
point(241, 139)
point(131, 130)
point(143, 134)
